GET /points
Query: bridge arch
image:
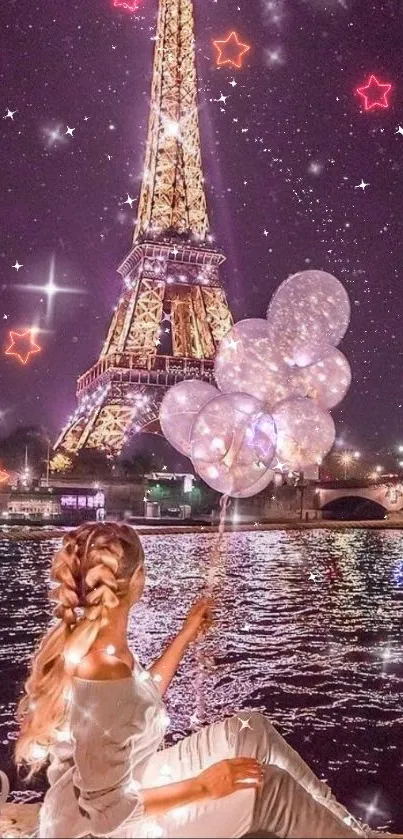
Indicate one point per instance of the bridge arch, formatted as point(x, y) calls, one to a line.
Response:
point(388, 495)
point(353, 508)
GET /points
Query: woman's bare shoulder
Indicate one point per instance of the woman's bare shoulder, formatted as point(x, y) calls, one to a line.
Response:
point(100, 667)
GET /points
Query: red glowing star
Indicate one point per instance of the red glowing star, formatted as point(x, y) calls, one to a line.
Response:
point(375, 94)
point(231, 51)
point(4, 476)
point(19, 346)
point(130, 5)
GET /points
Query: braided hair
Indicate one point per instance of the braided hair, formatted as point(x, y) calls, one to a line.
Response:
point(90, 575)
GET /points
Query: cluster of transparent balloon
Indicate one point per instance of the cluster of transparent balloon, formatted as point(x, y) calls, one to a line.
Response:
point(277, 380)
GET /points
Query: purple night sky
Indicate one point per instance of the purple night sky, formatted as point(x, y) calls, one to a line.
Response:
point(284, 152)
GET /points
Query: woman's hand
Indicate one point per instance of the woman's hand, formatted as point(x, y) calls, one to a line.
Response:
point(198, 620)
point(228, 776)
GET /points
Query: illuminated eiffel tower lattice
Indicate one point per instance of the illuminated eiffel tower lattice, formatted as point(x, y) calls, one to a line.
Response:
point(173, 311)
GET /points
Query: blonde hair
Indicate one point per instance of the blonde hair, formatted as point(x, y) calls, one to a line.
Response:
point(93, 570)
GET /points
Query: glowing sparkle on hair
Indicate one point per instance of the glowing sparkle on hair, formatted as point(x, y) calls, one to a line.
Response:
point(38, 752)
point(63, 735)
point(72, 657)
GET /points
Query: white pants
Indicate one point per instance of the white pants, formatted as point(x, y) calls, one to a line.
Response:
point(292, 802)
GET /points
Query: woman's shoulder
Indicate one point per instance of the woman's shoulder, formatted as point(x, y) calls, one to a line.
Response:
point(100, 667)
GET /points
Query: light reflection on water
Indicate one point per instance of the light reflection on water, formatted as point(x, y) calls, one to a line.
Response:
point(308, 631)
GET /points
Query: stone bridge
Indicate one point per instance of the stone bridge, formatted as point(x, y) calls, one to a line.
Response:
point(384, 495)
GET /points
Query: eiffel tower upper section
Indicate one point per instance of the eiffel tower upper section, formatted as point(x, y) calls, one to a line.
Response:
point(172, 195)
point(173, 311)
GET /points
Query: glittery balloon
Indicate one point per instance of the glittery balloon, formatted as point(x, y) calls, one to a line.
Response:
point(327, 381)
point(179, 409)
point(259, 486)
point(305, 433)
point(233, 443)
point(309, 313)
point(248, 362)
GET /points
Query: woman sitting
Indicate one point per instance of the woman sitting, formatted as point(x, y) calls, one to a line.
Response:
point(100, 718)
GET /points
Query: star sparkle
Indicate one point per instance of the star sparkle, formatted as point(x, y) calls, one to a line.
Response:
point(50, 290)
point(22, 345)
point(231, 51)
point(130, 201)
point(375, 94)
point(244, 723)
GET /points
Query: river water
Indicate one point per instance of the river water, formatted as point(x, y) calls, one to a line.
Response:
point(308, 631)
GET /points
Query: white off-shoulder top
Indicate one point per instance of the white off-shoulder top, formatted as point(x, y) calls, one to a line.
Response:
point(97, 763)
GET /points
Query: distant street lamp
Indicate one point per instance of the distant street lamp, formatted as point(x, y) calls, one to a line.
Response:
point(347, 459)
point(301, 485)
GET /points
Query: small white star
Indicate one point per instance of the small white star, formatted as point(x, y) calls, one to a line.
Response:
point(399, 130)
point(362, 185)
point(244, 723)
point(233, 83)
point(109, 156)
point(86, 119)
point(222, 98)
point(9, 114)
point(129, 201)
point(280, 467)
point(265, 232)
point(70, 131)
point(5, 317)
point(17, 265)
point(312, 576)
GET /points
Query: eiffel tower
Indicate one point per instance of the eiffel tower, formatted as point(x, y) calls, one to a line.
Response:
point(173, 311)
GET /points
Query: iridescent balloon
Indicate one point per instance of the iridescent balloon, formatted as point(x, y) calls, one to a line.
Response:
point(259, 486)
point(327, 381)
point(179, 409)
point(309, 313)
point(248, 362)
point(233, 443)
point(305, 433)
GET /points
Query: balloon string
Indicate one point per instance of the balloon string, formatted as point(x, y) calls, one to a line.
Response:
point(215, 575)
